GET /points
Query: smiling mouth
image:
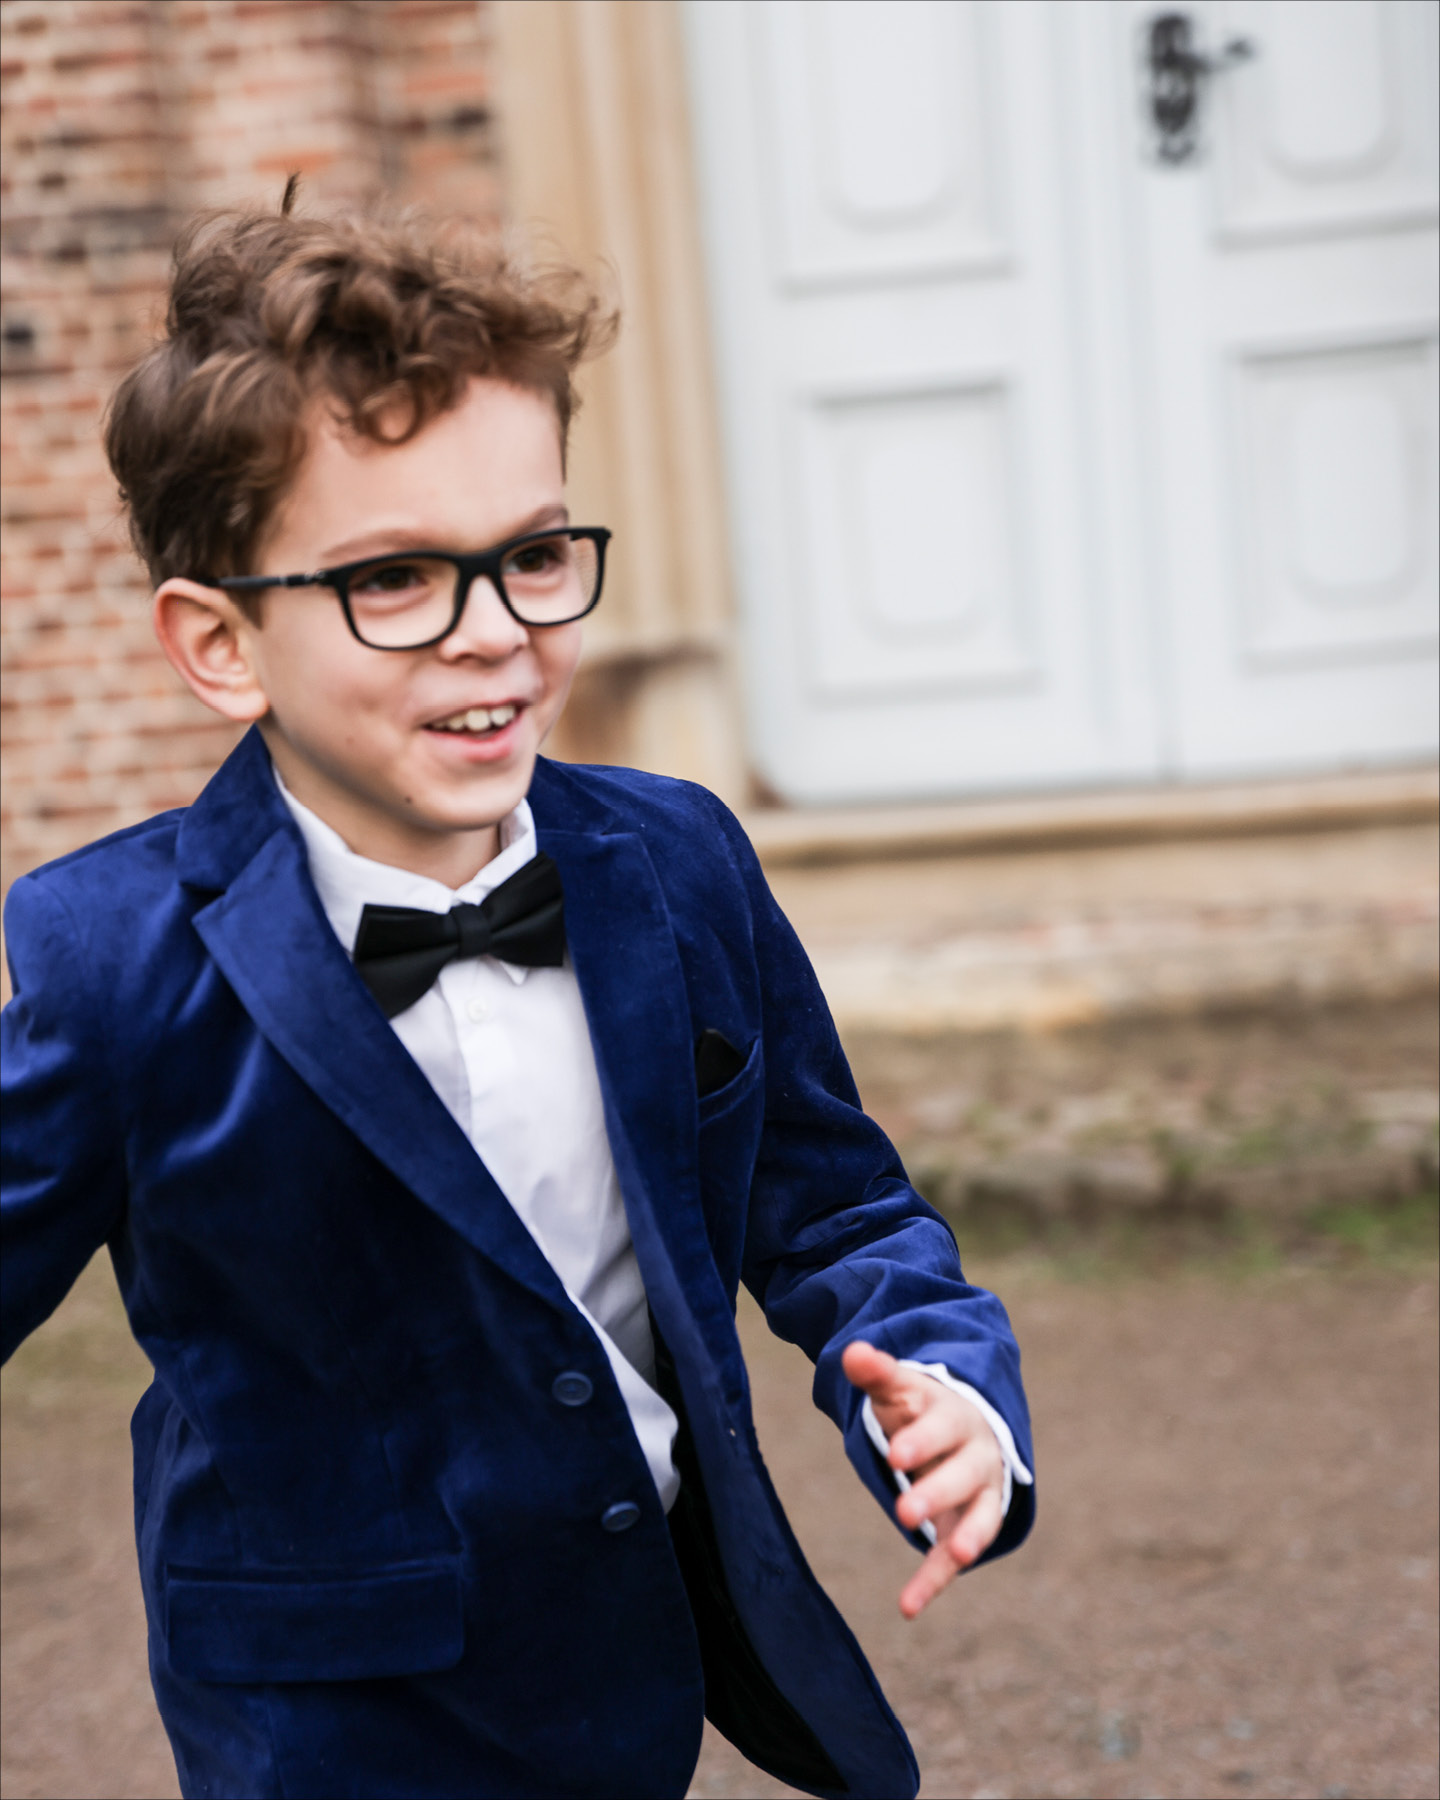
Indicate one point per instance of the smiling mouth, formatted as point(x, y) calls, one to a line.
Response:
point(477, 721)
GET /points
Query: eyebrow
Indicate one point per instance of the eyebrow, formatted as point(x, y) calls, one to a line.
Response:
point(399, 537)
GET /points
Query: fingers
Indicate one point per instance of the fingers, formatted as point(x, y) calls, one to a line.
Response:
point(952, 1484)
point(977, 1530)
point(933, 1576)
point(936, 1429)
point(958, 1548)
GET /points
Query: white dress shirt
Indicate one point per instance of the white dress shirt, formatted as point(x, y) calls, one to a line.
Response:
point(508, 1051)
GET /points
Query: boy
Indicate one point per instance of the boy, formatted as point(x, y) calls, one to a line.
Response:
point(433, 1098)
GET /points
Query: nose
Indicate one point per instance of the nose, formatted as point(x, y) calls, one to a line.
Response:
point(485, 627)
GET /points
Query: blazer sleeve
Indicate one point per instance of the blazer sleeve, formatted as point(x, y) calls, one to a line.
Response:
point(62, 1175)
point(838, 1243)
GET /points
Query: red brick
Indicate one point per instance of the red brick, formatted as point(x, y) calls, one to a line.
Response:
point(120, 119)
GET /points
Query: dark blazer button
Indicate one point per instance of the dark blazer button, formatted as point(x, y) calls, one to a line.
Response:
point(572, 1388)
point(621, 1516)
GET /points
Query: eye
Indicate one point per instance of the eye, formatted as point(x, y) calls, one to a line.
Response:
point(533, 561)
point(390, 579)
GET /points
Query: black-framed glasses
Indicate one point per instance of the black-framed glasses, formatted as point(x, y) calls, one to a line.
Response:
point(410, 599)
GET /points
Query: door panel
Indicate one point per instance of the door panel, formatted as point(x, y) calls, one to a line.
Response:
point(1334, 501)
point(913, 522)
point(885, 196)
point(1332, 126)
point(883, 157)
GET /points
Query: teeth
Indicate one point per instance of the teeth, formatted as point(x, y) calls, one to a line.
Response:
point(479, 718)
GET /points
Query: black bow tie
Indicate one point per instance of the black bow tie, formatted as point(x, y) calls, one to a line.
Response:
point(399, 950)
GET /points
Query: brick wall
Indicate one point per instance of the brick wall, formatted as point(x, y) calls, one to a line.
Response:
point(119, 120)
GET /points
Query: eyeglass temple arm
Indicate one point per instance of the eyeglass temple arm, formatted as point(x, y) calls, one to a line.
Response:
point(319, 579)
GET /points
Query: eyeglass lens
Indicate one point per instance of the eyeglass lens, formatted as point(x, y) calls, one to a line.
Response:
point(402, 601)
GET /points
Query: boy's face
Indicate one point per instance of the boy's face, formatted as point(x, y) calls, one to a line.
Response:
point(356, 733)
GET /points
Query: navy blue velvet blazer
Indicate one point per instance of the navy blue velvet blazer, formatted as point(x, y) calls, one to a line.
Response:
point(369, 1533)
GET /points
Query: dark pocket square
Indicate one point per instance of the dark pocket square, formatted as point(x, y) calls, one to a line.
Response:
point(716, 1062)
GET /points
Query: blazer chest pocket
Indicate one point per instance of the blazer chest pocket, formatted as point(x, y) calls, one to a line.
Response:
point(259, 1625)
point(724, 1075)
point(731, 1120)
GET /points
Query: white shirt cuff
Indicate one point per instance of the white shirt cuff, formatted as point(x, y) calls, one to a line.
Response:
point(1015, 1470)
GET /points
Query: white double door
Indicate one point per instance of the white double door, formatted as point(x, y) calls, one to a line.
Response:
point(1051, 462)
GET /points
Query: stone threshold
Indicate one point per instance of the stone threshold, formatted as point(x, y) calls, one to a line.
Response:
point(1057, 974)
point(791, 838)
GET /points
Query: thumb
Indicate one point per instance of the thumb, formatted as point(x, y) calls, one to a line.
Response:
point(874, 1371)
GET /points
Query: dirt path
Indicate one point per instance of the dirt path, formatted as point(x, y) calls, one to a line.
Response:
point(79, 1719)
point(1232, 1585)
point(1232, 1589)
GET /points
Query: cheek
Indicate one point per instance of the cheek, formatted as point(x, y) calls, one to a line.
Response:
point(318, 688)
point(558, 653)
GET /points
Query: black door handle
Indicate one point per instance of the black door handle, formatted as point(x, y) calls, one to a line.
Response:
point(1174, 73)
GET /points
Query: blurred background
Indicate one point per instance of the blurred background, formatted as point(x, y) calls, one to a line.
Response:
point(1021, 449)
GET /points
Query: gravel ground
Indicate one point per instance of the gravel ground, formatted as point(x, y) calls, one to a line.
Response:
point(1232, 1587)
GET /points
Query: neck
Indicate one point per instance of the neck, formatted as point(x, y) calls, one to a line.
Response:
point(449, 857)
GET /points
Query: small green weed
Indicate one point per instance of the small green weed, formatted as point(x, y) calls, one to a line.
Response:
point(1403, 1234)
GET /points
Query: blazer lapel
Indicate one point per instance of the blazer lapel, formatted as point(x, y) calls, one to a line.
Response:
point(269, 935)
point(625, 958)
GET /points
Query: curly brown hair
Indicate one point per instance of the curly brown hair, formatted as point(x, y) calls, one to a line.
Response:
point(387, 318)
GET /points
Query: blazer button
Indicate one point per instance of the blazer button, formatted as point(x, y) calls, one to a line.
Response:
point(572, 1388)
point(621, 1516)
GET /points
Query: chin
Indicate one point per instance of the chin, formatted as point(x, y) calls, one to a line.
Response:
point(476, 811)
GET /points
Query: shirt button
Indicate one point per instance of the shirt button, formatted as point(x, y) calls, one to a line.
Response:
point(621, 1516)
point(572, 1388)
point(477, 1010)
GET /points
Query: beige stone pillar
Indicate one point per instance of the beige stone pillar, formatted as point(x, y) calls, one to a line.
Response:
point(595, 143)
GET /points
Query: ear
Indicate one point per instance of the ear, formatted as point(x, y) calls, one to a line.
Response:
point(207, 641)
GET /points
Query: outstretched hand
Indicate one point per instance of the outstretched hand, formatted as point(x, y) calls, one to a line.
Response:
point(948, 1450)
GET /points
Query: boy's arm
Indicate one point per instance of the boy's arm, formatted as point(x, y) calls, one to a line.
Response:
point(62, 1178)
point(839, 1246)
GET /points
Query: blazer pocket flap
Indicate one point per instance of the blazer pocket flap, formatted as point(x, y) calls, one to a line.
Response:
point(286, 1625)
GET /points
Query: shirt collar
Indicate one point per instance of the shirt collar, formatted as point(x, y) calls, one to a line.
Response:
point(347, 883)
